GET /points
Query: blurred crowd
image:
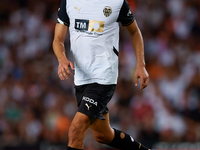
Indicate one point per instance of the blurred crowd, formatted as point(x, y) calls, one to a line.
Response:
point(37, 107)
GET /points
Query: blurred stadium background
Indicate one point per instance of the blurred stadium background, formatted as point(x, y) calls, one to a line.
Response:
point(36, 108)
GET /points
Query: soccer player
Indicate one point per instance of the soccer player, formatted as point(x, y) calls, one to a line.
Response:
point(94, 38)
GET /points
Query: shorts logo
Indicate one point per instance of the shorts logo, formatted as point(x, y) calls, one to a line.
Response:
point(87, 99)
point(88, 106)
point(107, 11)
point(89, 25)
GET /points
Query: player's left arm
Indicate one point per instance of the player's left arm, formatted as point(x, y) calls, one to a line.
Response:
point(138, 46)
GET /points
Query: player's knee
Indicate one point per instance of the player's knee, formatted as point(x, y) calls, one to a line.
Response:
point(78, 128)
point(75, 130)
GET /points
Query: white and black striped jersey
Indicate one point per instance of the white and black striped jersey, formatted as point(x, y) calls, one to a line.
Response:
point(94, 37)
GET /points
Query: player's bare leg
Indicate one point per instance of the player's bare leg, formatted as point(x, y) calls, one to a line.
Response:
point(102, 131)
point(77, 130)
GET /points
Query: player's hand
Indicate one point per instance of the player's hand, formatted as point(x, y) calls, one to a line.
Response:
point(141, 73)
point(64, 68)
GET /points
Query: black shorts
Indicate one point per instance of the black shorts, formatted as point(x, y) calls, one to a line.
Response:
point(93, 99)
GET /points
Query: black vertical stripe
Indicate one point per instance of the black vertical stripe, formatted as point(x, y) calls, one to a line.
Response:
point(115, 51)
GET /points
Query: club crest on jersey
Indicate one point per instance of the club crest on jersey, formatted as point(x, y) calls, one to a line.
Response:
point(107, 11)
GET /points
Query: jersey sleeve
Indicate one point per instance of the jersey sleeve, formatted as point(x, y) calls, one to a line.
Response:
point(125, 15)
point(62, 14)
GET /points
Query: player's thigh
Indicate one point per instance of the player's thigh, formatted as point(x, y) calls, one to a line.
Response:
point(102, 130)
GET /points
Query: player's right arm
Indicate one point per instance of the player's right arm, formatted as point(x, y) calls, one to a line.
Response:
point(59, 50)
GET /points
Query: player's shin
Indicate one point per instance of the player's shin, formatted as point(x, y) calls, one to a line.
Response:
point(124, 141)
